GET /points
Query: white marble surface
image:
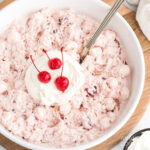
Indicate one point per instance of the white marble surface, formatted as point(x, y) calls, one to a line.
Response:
point(144, 123)
point(2, 148)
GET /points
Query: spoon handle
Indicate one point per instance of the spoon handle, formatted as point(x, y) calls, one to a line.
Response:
point(106, 20)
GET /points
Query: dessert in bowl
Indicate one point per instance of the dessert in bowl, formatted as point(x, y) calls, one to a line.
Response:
point(97, 97)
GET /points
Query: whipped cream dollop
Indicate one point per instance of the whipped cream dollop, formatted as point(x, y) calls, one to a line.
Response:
point(48, 93)
point(141, 143)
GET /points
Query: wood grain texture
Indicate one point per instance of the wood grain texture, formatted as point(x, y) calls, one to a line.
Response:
point(130, 17)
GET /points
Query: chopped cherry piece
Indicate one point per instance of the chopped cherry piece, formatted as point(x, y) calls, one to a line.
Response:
point(89, 94)
point(43, 76)
point(62, 83)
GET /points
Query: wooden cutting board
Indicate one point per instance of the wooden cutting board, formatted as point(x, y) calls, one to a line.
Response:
point(130, 17)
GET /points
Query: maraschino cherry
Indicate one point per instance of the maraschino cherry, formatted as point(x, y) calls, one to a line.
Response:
point(43, 76)
point(54, 63)
point(62, 82)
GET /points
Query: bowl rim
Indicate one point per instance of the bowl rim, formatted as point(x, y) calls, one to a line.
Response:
point(116, 128)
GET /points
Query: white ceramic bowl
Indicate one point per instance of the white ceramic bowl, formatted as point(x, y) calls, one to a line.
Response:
point(97, 10)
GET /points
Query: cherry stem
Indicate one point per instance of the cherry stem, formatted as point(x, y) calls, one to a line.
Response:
point(46, 54)
point(34, 63)
point(62, 60)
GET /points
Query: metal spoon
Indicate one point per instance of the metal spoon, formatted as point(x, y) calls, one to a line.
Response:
point(106, 20)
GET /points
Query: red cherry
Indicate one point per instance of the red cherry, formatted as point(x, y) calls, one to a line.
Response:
point(43, 76)
point(62, 83)
point(54, 63)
